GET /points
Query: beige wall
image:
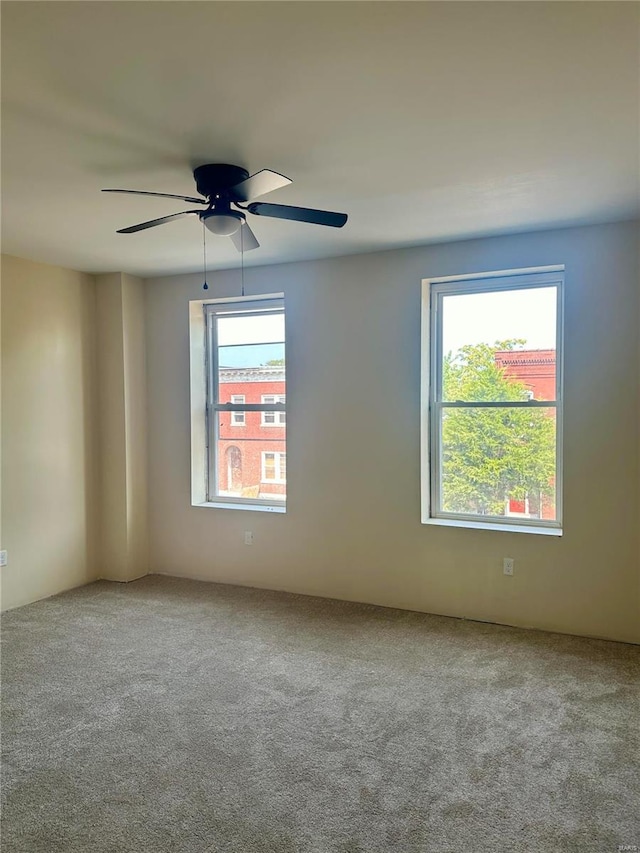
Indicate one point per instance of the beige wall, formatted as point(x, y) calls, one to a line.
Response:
point(48, 430)
point(135, 395)
point(122, 430)
point(352, 529)
point(112, 556)
point(74, 472)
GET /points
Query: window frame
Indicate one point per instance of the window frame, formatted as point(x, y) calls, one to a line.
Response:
point(212, 309)
point(434, 290)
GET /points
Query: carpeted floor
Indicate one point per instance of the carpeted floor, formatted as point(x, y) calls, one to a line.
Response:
point(170, 716)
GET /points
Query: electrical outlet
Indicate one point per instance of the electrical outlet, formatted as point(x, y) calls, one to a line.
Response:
point(3, 558)
point(507, 565)
point(248, 537)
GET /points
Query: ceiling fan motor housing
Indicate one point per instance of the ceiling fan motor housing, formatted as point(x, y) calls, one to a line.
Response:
point(215, 179)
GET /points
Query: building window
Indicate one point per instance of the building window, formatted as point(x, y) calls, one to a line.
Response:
point(274, 467)
point(237, 418)
point(244, 357)
point(492, 400)
point(272, 418)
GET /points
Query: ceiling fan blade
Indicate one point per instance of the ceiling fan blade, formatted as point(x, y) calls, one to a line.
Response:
point(244, 239)
point(153, 222)
point(300, 214)
point(259, 184)
point(161, 195)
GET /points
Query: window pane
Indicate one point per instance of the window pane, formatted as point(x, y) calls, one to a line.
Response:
point(273, 418)
point(274, 467)
point(237, 418)
point(268, 466)
point(498, 462)
point(251, 465)
point(499, 345)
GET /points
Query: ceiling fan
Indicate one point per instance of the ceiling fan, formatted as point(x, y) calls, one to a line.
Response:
point(226, 190)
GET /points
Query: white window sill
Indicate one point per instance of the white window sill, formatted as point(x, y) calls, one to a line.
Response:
point(250, 507)
point(493, 525)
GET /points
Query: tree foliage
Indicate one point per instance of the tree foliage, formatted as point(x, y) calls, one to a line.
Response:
point(490, 455)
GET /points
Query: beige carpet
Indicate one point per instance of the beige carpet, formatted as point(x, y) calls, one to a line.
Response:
point(170, 715)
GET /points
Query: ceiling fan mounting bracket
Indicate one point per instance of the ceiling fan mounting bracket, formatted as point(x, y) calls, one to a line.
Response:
point(215, 178)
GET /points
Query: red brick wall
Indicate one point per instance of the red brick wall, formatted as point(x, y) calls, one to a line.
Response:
point(251, 440)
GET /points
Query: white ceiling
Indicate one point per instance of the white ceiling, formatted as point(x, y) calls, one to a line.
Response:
point(424, 121)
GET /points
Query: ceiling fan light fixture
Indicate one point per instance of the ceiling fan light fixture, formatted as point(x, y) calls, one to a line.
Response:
point(223, 224)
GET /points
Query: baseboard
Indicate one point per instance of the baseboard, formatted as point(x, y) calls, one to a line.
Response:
point(523, 627)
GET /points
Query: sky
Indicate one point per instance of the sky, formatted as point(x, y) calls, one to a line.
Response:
point(250, 341)
point(489, 317)
point(467, 319)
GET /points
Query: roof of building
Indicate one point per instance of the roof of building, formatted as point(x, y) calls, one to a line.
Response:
point(252, 374)
point(526, 356)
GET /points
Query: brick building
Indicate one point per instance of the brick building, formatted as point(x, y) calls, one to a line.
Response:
point(535, 368)
point(251, 445)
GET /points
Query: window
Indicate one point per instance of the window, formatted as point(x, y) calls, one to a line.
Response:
point(273, 418)
point(492, 400)
point(245, 357)
point(237, 418)
point(274, 467)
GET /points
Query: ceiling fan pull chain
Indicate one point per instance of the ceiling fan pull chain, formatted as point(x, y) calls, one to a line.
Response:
point(242, 259)
point(205, 286)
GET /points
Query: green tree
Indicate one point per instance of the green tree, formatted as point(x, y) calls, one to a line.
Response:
point(274, 362)
point(490, 455)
